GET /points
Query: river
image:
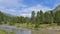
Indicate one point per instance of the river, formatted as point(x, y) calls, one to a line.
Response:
point(15, 29)
point(28, 31)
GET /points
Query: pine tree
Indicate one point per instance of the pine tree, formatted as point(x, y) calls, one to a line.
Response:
point(41, 16)
point(33, 17)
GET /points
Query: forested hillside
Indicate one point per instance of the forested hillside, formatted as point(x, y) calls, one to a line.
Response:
point(49, 17)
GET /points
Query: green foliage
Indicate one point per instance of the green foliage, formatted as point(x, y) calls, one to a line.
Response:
point(35, 20)
point(4, 32)
point(33, 17)
point(53, 25)
point(44, 25)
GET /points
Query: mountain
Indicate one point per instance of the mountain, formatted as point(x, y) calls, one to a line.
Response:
point(57, 8)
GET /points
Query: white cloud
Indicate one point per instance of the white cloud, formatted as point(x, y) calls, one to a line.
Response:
point(12, 10)
point(25, 15)
point(12, 3)
point(36, 8)
point(7, 6)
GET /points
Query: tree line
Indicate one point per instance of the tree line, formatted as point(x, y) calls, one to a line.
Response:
point(48, 17)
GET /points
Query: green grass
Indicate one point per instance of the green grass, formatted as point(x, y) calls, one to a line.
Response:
point(4, 32)
point(11, 33)
point(25, 25)
point(32, 26)
point(44, 25)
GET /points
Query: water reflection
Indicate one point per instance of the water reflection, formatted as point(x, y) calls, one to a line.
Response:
point(27, 31)
point(15, 30)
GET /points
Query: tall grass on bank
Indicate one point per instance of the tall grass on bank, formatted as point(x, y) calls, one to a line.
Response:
point(33, 26)
point(4, 32)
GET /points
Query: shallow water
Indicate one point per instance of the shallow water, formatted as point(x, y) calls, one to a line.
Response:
point(27, 31)
point(15, 30)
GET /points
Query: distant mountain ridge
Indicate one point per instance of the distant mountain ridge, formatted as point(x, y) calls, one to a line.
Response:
point(57, 8)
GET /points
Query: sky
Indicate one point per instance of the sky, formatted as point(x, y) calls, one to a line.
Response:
point(25, 7)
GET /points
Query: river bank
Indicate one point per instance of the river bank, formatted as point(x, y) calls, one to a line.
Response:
point(26, 28)
point(20, 30)
point(4, 32)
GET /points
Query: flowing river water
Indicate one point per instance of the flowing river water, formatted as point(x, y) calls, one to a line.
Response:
point(28, 31)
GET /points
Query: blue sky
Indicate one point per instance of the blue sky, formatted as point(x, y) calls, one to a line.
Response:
point(25, 7)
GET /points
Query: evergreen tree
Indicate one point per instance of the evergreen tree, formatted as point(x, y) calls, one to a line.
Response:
point(52, 16)
point(33, 17)
point(41, 16)
point(57, 17)
point(38, 17)
point(47, 18)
